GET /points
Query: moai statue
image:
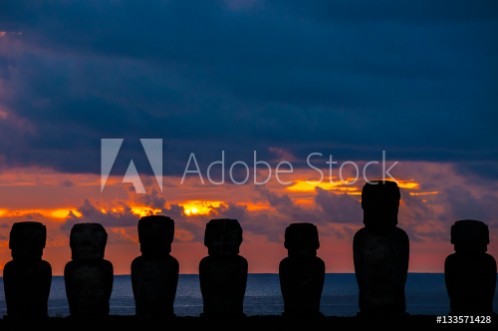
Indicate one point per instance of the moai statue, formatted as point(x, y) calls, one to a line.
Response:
point(223, 274)
point(88, 276)
point(154, 275)
point(302, 273)
point(470, 273)
point(381, 252)
point(27, 278)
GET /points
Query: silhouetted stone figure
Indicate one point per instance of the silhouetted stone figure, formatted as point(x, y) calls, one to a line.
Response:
point(470, 273)
point(155, 274)
point(223, 274)
point(27, 278)
point(381, 252)
point(302, 273)
point(88, 276)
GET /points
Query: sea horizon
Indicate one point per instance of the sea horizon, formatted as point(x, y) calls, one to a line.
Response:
point(425, 295)
point(267, 273)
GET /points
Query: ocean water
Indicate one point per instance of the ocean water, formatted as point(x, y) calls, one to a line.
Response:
point(425, 294)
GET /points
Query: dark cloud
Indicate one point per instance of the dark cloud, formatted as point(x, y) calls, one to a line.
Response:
point(4, 68)
point(92, 214)
point(67, 183)
point(231, 211)
point(425, 221)
point(417, 78)
point(467, 204)
point(275, 200)
point(484, 173)
point(154, 200)
point(341, 208)
point(411, 11)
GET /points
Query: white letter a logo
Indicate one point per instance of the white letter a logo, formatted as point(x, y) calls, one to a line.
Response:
point(109, 149)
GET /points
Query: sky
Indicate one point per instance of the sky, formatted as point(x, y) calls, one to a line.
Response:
point(295, 82)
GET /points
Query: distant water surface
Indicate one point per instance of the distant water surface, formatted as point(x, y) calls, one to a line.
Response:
point(425, 294)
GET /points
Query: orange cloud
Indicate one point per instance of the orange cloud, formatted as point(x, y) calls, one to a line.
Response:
point(199, 207)
point(409, 184)
point(59, 214)
point(311, 185)
point(415, 194)
point(145, 211)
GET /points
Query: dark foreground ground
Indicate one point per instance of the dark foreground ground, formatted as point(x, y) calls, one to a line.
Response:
point(254, 323)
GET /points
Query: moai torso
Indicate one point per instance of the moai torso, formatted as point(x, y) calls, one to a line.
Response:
point(302, 272)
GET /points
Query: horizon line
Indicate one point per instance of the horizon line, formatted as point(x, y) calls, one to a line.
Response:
point(274, 273)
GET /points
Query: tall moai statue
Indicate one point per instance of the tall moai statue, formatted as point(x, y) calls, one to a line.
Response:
point(27, 278)
point(302, 273)
point(381, 253)
point(88, 276)
point(470, 272)
point(154, 275)
point(223, 274)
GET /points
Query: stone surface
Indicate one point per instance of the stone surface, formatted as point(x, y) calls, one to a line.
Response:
point(302, 273)
point(223, 274)
point(27, 278)
point(381, 253)
point(155, 273)
point(88, 277)
point(223, 237)
point(87, 241)
point(155, 234)
point(27, 240)
point(470, 273)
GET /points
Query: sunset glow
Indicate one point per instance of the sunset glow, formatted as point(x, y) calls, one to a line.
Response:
point(63, 213)
point(268, 112)
point(142, 211)
point(197, 207)
point(407, 184)
point(271, 207)
point(414, 194)
point(339, 186)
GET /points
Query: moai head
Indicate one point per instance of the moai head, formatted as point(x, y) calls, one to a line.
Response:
point(88, 241)
point(301, 240)
point(27, 240)
point(470, 236)
point(380, 203)
point(155, 234)
point(223, 237)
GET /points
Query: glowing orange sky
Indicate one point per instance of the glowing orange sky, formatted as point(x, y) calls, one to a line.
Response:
point(52, 198)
